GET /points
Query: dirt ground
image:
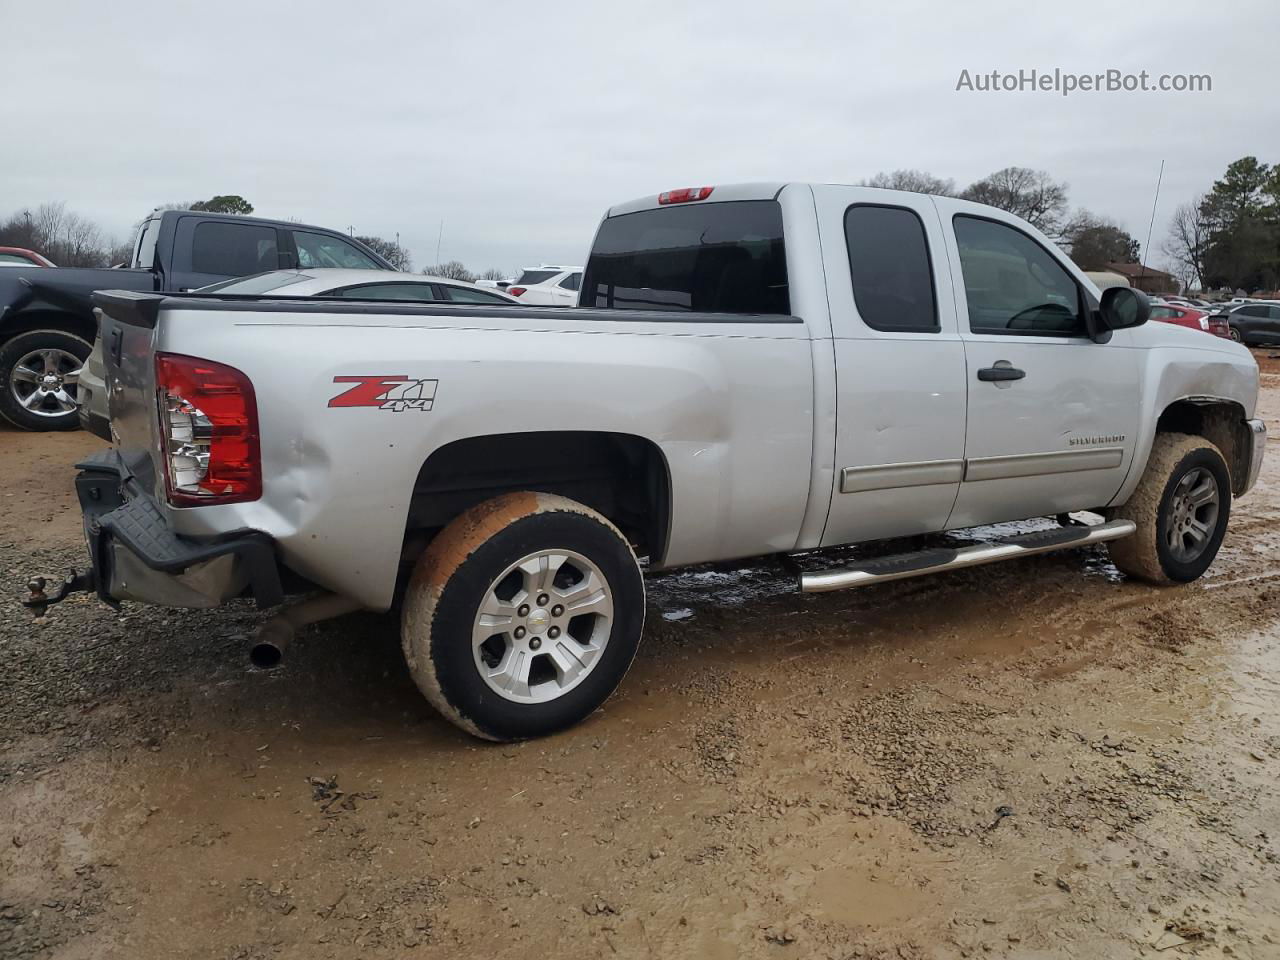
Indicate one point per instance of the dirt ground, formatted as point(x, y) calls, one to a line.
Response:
point(1022, 760)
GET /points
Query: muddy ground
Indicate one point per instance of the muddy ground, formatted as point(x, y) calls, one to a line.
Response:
point(1025, 760)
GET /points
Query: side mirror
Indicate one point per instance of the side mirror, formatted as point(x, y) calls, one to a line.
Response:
point(1124, 307)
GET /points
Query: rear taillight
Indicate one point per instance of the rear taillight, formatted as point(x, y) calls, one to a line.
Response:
point(685, 195)
point(516, 291)
point(209, 428)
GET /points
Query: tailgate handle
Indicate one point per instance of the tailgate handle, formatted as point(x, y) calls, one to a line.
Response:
point(993, 374)
point(117, 341)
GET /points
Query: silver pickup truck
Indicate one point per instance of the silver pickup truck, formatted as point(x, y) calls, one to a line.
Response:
point(753, 369)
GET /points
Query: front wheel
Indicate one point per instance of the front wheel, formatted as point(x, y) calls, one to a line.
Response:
point(39, 372)
point(1181, 507)
point(522, 616)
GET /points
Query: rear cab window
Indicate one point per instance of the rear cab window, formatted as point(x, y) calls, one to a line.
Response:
point(726, 257)
point(148, 235)
point(531, 277)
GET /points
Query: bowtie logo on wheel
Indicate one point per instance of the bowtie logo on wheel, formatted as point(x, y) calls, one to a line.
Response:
point(386, 393)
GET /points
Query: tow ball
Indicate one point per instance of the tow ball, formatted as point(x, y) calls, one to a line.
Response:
point(39, 602)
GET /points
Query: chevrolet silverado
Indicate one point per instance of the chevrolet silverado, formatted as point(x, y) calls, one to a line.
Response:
point(752, 369)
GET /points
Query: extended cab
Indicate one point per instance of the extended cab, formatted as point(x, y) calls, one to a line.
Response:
point(46, 315)
point(756, 369)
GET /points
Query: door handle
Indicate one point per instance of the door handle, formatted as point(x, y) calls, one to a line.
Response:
point(994, 374)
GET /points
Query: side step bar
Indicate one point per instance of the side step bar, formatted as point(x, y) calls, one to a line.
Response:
point(921, 562)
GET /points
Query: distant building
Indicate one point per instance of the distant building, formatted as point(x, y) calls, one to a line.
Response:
point(1104, 280)
point(1146, 279)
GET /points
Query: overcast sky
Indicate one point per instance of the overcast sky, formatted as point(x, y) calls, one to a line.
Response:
point(517, 124)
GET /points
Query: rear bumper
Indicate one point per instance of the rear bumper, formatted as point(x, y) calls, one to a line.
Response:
point(1258, 449)
point(136, 556)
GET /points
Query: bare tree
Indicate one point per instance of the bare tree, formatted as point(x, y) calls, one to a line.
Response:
point(389, 250)
point(493, 273)
point(1188, 241)
point(453, 270)
point(915, 181)
point(1030, 194)
point(65, 237)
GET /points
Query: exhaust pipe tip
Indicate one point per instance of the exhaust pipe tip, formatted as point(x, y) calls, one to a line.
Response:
point(266, 656)
point(276, 634)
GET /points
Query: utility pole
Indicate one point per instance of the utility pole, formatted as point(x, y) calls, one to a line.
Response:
point(439, 237)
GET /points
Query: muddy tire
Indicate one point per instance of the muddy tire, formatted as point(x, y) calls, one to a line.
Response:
point(1181, 507)
point(522, 616)
point(39, 370)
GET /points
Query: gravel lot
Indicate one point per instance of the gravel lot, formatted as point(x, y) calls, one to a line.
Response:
point(1025, 760)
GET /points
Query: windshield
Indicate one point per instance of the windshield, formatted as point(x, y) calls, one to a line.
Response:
point(257, 284)
point(715, 258)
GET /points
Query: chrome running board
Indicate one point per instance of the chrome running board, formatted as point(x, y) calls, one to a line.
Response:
point(921, 562)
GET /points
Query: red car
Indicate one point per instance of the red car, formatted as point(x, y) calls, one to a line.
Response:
point(1194, 319)
point(18, 257)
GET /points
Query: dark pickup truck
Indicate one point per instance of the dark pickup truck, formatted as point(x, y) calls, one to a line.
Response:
point(47, 325)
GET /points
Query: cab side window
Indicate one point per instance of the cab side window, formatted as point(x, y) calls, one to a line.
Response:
point(890, 268)
point(1013, 285)
point(321, 250)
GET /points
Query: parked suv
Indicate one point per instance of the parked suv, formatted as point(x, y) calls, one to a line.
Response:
point(548, 286)
point(1253, 323)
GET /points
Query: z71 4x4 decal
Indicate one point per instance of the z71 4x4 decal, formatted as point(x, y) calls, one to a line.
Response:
point(386, 393)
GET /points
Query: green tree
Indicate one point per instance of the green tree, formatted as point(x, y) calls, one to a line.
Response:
point(1244, 231)
point(224, 203)
point(1094, 242)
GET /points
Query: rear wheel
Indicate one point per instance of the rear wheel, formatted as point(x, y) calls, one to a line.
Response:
point(39, 373)
point(1181, 507)
point(523, 616)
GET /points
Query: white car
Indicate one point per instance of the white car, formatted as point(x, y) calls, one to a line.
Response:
point(548, 286)
point(358, 285)
point(326, 282)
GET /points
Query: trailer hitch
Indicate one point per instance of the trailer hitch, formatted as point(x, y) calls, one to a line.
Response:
point(39, 602)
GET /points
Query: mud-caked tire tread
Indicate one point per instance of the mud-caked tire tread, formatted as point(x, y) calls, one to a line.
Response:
point(1140, 555)
point(464, 557)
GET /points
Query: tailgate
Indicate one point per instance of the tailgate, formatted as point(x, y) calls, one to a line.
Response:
point(127, 331)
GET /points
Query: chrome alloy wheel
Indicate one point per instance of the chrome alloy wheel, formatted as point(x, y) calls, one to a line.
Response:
point(44, 381)
point(542, 626)
point(1192, 514)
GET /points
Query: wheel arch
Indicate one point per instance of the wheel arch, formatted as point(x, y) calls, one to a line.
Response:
point(1220, 421)
point(49, 318)
point(624, 477)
